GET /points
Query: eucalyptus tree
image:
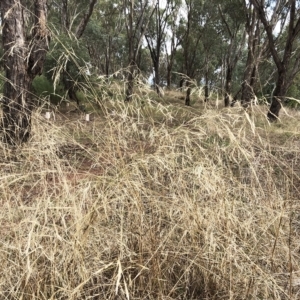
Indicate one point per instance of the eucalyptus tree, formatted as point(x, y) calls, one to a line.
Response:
point(25, 39)
point(252, 25)
point(191, 43)
point(234, 35)
point(156, 34)
point(68, 45)
point(79, 15)
point(173, 39)
point(212, 46)
point(71, 16)
point(137, 17)
point(212, 63)
point(287, 59)
point(258, 52)
point(106, 31)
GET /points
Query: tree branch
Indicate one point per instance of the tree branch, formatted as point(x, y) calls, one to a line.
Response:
point(269, 30)
point(82, 25)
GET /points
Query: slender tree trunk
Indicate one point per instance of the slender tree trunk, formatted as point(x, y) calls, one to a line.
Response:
point(85, 19)
point(157, 77)
point(65, 19)
point(170, 60)
point(223, 73)
point(130, 82)
point(22, 62)
point(247, 88)
point(253, 75)
point(188, 93)
point(253, 30)
point(169, 70)
point(136, 25)
point(228, 81)
point(131, 58)
point(206, 91)
point(108, 57)
point(155, 56)
point(181, 83)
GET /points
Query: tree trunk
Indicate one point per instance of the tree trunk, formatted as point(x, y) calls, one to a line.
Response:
point(16, 109)
point(131, 58)
point(206, 91)
point(253, 30)
point(70, 87)
point(169, 72)
point(282, 61)
point(65, 19)
point(181, 83)
point(188, 93)
point(247, 85)
point(68, 82)
point(157, 78)
point(85, 19)
point(170, 61)
point(278, 96)
point(21, 65)
point(136, 25)
point(228, 85)
point(247, 93)
point(155, 56)
point(130, 83)
point(108, 56)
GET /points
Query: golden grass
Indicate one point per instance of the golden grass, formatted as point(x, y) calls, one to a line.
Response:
point(153, 201)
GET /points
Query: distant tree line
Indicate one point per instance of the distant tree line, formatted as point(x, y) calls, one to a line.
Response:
point(240, 48)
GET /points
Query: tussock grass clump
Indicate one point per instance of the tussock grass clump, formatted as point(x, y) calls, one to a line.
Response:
point(151, 201)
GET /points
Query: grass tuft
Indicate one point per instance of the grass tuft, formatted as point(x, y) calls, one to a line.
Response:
point(152, 200)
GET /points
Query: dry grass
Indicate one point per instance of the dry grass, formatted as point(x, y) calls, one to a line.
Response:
point(154, 201)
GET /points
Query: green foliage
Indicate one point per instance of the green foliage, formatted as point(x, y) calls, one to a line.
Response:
point(66, 55)
point(81, 97)
point(43, 88)
point(293, 93)
point(103, 48)
point(145, 62)
point(105, 38)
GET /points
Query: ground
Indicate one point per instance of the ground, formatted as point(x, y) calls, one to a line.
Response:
point(152, 200)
